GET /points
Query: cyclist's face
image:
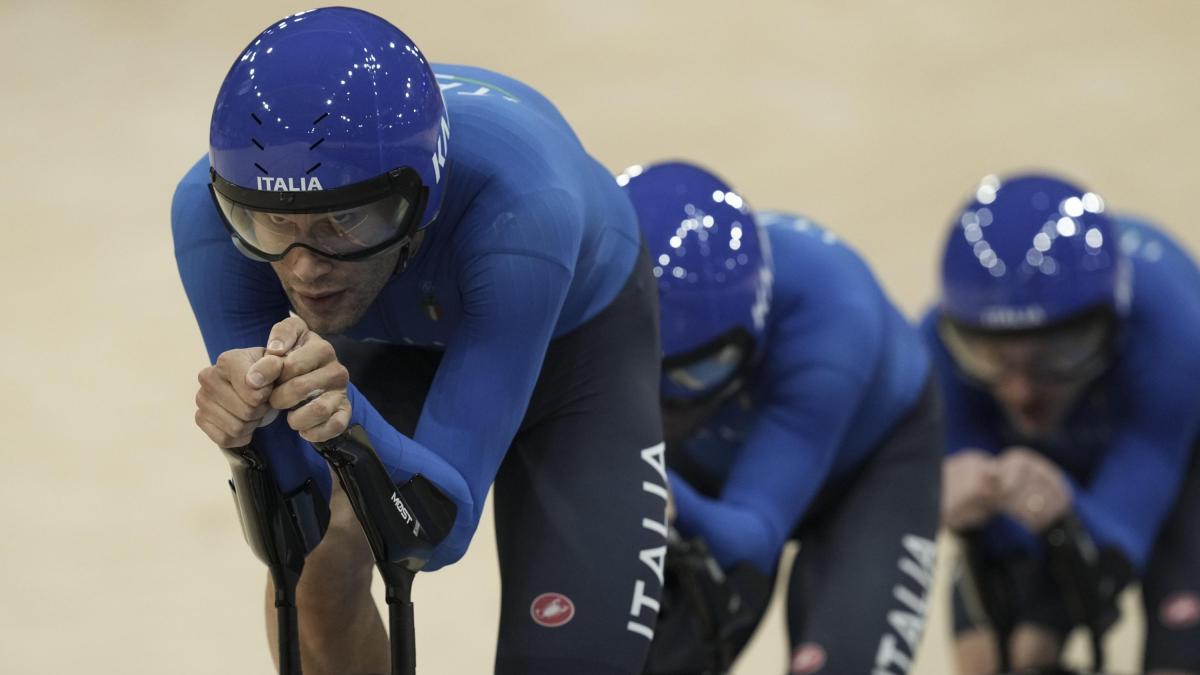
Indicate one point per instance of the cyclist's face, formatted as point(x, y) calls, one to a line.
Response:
point(1035, 376)
point(331, 295)
point(1034, 403)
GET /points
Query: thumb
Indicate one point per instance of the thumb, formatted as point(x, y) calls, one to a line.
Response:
point(264, 371)
point(285, 335)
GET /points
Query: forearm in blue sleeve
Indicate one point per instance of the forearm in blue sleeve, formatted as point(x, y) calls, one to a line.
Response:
point(403, 457)
point(482, 388)
point(785, 460)
point(731, 533)
point(1132, 492)
point(236, 301)
point(1133, 489)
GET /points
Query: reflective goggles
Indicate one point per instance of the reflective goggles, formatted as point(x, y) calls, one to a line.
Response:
point(1077, 350)
point(348, 223)
point(713, 370)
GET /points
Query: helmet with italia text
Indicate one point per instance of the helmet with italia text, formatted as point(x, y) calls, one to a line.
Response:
point(330, 133)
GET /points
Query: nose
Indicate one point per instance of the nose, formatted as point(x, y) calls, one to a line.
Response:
point(1015, 387)
point(305, 265)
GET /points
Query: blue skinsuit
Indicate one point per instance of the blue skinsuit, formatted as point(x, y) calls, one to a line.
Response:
point(838, 368)
point(1125, 445)
point(533, 239)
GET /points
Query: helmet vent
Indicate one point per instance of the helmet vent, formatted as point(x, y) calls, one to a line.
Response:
point(312, 168)
point(260, 168)
point(318, 120)
point(257, 144)
point(256, 119)
point(314, 145)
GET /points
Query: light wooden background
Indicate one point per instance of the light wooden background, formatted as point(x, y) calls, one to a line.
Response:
point(120, 551)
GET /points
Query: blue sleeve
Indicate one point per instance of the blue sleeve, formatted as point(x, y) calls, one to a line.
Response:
point(482, 388)
point(778, 471)
point(821, 355)
point(970, 424)
point(1132, 491)
point(236, 301)
point(1133, 488)
point(968, 413)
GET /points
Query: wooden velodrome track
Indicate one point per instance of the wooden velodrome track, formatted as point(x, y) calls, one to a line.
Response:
point(120, 550)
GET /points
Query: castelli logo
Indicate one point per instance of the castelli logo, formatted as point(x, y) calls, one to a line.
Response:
point(808, 658)
point(1180, 610)
point(552, 610)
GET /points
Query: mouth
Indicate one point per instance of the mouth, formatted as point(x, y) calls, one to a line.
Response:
point(1036, 417)
point(320, 303)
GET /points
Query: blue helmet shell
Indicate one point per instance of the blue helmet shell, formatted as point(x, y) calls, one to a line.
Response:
point(711, 259)
point(326, 99)
point(1031, 250)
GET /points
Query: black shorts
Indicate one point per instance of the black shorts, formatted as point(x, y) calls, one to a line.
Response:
point(858, 593)
point(580, 496)
point(1171, 584)
point(1170, 588)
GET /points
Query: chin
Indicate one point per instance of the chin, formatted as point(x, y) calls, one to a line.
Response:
point(324, 324)
point(1032, 431)
point(1043, 426)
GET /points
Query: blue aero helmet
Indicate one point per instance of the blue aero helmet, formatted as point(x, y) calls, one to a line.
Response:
point(714, 274)
point(1033, 256)
point(329, 133)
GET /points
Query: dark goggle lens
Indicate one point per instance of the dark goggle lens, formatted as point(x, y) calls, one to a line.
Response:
point(1077, 351)
point(337, 233)
point(350, 222)
point(704, 376)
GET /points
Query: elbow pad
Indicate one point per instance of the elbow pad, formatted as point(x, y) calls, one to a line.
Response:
point(403, 523)
point(281, 528)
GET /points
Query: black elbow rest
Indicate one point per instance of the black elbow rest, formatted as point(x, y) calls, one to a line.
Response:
point(403, 523)
point(281, 528)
